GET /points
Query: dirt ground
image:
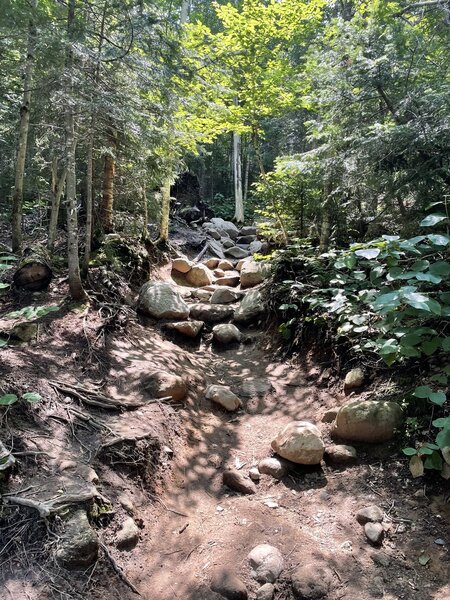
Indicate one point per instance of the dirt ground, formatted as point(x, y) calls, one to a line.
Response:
point(190, 523)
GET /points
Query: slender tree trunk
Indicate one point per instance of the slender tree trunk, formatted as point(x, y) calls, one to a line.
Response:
point(109, 171)
point(165, 211)
point(144, 213)
point(17, 198)
point(325, 228)
point(75, 286)
point(185, 5)
point(57, 190)
point(246, 171)
point(237, 177)
point(89, 203)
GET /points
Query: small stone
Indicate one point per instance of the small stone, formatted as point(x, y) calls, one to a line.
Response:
point(311, 582)
point(212, 263)
point(265, 592)
point(188, 328)
point(237, 481)
point(228, 585)
point(439, 542)
point(65, 465)
point(226, 265)
point(251, 307)
point(245, 239)
point(78, 544)
point(374, 532)
point(241, 262)
point(219, 273)
point(25, 332)
point(226, 333)
point(254, 474)
point(202, 295)
point(370, 514)
point(380, 559)
point(182, 265)
point(339, 454)
point(227, 243)
point(160, 384)
point(247, 230)
point(220, 394)
point(128, 535)
point(330, 415)
point(354, 379)
point(276, 467)
point(266, 562)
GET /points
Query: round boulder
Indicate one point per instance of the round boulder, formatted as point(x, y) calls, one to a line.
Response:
point(266, 563)
point(354, 379)
point(220, 394)
point(160, 384)
point(253, 273)
point(226, 333)
point(311, 582)
point(159, 299)
point(182, 265)
point(200, 275)
point(371, 421)
point(300, 442)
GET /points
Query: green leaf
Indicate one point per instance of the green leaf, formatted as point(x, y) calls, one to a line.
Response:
point(369, 253)
point(423, 391)
point(433, 462)
point(424, 451)
point(440, 268)
point(446, 344)
point(432, 220)
point(409, 451)
point(3, 286)
point(391, 300)
point(429, 277)
point(430, 346)
point(439, 240)
point(443, 438)
point(422, 302)
point(32, 397)
point(438, 398)
point(8, 399)
point(443, 422)
point(420, 265)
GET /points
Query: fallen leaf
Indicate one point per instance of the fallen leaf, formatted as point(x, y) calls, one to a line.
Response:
point(416, 466)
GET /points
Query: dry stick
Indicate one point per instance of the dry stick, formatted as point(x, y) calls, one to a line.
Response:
point(118, 570)
point(199, 256)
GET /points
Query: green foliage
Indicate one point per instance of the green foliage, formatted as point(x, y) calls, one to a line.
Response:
point(29, 397)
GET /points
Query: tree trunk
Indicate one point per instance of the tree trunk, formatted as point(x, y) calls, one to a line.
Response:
point(165, 210)
point(75, 286)
point(184, 11)
point(145, 213)
point(17, 198)
point(246, 171)
point(89, 203)
point(237, 177)
point(325, 229)
point(107, 205)
point(34, 271)
point(58, 184)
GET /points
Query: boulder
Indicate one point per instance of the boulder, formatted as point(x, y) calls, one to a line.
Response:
point(160, 384)
point(188, 328)
point(78, 544)
point(230, 278)
point(226, 333)
point(228, 585)
point(216, 235)
point(374, 533)
point(237, 481)
point(212, 263)
point(200, 275)
point(226, 265)
point(330, 415)
point(227, 226)
point(245, 239)
point(265, 592)
point(250, 308)
point(300, 442)
point(202, 295)
point(227, 243)
point(266, 563)
point(256, 247)
point(369, 514)
point(370, 421)
point(253, 273)
point(225, 295)
point(221, 394)
point(254, 474)
point(339, 454)
point(182, 265)
point(160, 300)
point(247, 230)
point(211, 313)
point(128, 535)
point(242, 262)
point(276, 467)
point(311, 582)
point(236, 252)
point(354, 379)
point(219, 273)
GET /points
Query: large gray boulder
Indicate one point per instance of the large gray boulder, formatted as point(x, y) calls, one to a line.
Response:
point(370, 421)
point(160, 300)
point(211, 313)
point(236, 252)
point(227, 226)
point(300, 442)
point(225, 295)
point(253, 273)
point(250, 308)
point(226, 333)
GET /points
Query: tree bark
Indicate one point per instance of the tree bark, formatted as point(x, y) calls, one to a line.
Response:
point(109, 171)
point(165, 211)
point(145, 213)
point(185, 5)
point(58, 184)
point(237, 176)
point(325, 229)
point(75, 286)
point(17, 198)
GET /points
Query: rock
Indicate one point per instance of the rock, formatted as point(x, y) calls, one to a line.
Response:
point(216, 235)
point(225, 296)
point(160, 384)
point(200, 275)
point(265, 592)
point(211, 313)
point(256, 247)
point(126, 502)
point(128, 535)
point(368, 421)
point(250, 308)
point(380, 559)
point(188, 328)
point(255, 387)
point(276, 467)
point(237, 481)
point(245, 239)
point(221, 394)
point(227, 243)
point(300, 442)
point(338, 454)
point(370, 514)
point(241, 262)
point(78, 544)
point(160, 300)
point(228, 585)
point(374, 532)
point(247, 230)
point(236, 252)
point(266, 563)
point(311, 582)
point(354, 379)
point(219, 273)
point(226, 333)
point(231, 278)
point(330, 415)
point(202, 295)
point(253, 273)
point(227, 226)
point(226, 265)
point(182, 265)
point(216, 248)
point(25, 332)
point(212, 263)
point(254, 474)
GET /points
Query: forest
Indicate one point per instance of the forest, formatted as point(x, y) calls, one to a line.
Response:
point(224, 299)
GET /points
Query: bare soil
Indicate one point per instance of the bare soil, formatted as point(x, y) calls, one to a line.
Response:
point(190, 524)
